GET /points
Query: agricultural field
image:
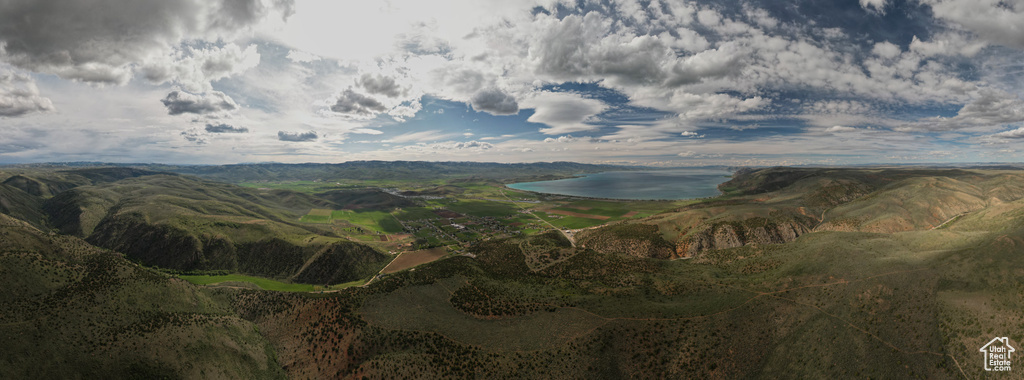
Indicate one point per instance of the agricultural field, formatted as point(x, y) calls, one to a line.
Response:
point(379, 221)
point(482, 208)
point(415, 213)
point(408, 260)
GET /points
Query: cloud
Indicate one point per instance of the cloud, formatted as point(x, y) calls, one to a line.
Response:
point(103, 40)
point(224, 128)
point(19, 95)
point(380, 85)
point(1014, 134)
point(838, 107)
point(874, 6)
point(180, 102)
point(584, 48)
point(840, 129)
point(451, 145)
point(563, 112)
point(402, 112)
point(692, 154)
point(355, 104)
point(711, 106)
point(886, 49)
point(691, 134)
point(995, 21)
point(194, 68)
point(494, 102)
point(948, 44)
point(297, 136)
point(195, 136)
point(709, 64)
point(422, 136)
point(569, 139)
point(301, 56)
point(991, 108)
point(367, 131)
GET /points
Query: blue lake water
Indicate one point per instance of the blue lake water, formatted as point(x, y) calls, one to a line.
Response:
point(653, 184)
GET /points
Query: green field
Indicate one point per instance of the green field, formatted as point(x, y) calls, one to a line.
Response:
point(416, 213)
point(265, 283)
point(308, 187)
point(484, 208)
point(378, 221)
point(571, 222)
point(375, 220)
point(315, 219)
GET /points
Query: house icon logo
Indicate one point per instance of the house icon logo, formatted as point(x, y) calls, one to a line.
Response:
point(998, 354)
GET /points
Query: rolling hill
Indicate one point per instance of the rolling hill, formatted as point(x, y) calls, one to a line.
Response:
point(794, 273)
point(72, 310)
point(188, 224)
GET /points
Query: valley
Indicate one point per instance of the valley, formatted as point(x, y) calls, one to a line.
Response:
point(792, 272)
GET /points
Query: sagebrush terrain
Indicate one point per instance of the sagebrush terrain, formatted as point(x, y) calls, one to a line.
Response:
point(793, 273)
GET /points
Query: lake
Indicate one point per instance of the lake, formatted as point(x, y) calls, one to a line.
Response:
point(640, 185)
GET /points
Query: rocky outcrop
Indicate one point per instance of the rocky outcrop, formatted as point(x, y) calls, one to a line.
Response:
point(723, 235)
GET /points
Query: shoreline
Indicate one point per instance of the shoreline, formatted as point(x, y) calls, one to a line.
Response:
point(506, 186)
point(721, 193)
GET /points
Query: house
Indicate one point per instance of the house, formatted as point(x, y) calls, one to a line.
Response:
point(998, 354)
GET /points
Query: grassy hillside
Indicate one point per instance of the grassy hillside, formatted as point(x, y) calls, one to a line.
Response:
point(184, 223)
point(19, 204)
point(76, 311)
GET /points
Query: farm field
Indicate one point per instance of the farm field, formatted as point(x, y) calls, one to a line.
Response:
point(378, 221)
point(408, 260)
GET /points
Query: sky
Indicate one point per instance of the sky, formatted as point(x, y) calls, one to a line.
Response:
point(661, 83)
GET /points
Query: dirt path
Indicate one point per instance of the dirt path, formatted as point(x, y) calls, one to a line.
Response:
point(950, 220)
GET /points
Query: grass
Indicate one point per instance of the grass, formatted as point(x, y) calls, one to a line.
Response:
point(571, 222)
point(263, 283)
point(484, 208)
point(315, 219)
point(375, 220)
point(415, 213)
point(378, 221)
point(308, 187)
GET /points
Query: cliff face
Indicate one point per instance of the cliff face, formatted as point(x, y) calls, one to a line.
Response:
point(723, 235)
